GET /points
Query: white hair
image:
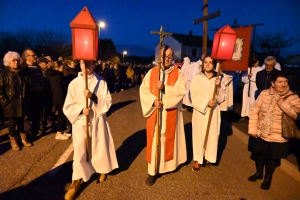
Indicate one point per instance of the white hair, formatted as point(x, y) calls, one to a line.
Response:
point(9, 56)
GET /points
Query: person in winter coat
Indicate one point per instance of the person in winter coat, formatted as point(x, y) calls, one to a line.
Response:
point(129, 74)
point(266, 144)
point(59, 92)
point(13, 92)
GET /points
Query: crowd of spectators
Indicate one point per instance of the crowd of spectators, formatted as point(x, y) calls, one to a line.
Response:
point(35, 89)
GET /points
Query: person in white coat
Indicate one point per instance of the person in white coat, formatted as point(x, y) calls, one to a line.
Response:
point(102, 151)
point(202, 89)
point(249, 96)
point(171, 145)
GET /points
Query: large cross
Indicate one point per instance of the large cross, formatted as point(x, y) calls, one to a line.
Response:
point(205, 19)
point(162, 34)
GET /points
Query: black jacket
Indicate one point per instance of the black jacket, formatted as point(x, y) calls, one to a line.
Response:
point(58, 86)
point(263, 79)
point(14, 92)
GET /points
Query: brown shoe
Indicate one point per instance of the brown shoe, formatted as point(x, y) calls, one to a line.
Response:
point(73, 189)
point(196, 167)
point(24, 140)
point(102, 178)
point(14, 144)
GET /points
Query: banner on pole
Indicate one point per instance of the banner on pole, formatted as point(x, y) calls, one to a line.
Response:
point(240, 57)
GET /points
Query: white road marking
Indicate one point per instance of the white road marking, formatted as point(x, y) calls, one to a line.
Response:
point(61, 160)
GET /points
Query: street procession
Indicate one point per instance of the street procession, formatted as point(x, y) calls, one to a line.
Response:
point(209, 116)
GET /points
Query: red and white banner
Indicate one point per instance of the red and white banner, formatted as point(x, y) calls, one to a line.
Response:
point(240, 57)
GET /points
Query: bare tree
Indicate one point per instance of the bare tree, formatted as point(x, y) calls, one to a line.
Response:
point(275, 43)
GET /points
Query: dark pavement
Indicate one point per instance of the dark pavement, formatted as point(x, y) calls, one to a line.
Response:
point(28, 174)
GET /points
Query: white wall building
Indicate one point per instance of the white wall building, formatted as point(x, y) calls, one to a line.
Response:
point(184, 46)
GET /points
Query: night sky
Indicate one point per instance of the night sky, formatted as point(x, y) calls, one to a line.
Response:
point(129, 23)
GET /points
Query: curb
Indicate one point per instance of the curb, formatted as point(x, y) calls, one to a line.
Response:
point(286, 166)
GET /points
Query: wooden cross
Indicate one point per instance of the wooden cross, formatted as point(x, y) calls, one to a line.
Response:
point(162, 34)
point(205, 19)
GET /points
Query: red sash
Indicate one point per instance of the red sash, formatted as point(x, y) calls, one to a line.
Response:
point(171, 118)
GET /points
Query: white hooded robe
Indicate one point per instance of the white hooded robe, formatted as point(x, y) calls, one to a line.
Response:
point(103, 154)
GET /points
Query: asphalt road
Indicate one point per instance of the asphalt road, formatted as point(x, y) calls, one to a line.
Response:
point(43, 170)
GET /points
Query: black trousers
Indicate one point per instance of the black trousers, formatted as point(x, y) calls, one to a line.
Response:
point(61, 119)
point(15, 126)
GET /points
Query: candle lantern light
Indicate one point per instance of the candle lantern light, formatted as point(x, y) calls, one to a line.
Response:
point(84, 36)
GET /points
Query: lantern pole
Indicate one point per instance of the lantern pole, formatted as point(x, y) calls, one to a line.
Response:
point(211, 112)
point(85, 23)
point(215, 55)
point(87, 140)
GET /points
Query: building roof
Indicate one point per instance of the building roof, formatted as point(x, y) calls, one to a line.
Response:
point(190, 40)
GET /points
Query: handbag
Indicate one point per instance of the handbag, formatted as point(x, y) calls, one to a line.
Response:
point(290, 127)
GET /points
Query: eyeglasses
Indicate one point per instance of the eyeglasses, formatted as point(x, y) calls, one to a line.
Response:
point(31, 55)
point(15, 60)
point(170, 57)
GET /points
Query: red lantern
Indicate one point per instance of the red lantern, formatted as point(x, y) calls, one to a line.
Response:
point(223, 45)
point(84, 36)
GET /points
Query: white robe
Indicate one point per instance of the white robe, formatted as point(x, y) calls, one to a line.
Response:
point(202, 90)
point(248, 101)
point(103, 154)
point(228, 103)
point(172, 98)
point(193, 70)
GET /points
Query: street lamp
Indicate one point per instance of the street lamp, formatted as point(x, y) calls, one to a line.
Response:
point(124, 53)
point(100, 25)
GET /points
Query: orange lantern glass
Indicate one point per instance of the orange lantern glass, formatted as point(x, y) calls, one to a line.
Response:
point(223, 44)
point(84, 36)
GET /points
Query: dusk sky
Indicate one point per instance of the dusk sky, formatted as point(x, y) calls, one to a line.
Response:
point(129, 23)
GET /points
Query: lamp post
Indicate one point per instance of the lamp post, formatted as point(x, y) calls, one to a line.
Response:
point(100, 25)
point(124, 53)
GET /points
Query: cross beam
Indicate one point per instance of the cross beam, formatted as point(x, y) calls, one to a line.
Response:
point(161, 34)
point(205, 19)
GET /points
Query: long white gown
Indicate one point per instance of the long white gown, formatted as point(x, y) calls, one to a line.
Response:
point(193, 70)
point(202, 90)
point(172, 98)
point(103, 154)
point(248, 101)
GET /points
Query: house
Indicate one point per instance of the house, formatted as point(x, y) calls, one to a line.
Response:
point(293, 61)
point(184, 46)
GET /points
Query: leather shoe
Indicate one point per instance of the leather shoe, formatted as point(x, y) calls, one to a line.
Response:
point(255, 176)
point(266, 183)
point(151, 180)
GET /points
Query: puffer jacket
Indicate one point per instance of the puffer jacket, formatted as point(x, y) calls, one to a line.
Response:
point(266, 115)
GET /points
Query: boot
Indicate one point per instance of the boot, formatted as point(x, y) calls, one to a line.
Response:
point(255, 177)
point(14, 144)
point(266, 183)
point(73, 189)
point(259, 172)
point(24, 140)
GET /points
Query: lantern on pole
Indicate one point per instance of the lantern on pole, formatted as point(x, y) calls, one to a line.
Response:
point(223, 44)
point(223, 47)
point(85, 47)
point(84, 36)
